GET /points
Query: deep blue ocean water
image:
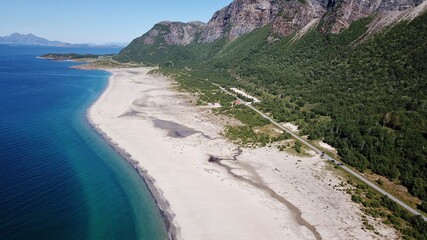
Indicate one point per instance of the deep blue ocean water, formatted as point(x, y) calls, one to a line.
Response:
point(58, 178)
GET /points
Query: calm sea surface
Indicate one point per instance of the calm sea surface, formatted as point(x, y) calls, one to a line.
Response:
point(58, 178)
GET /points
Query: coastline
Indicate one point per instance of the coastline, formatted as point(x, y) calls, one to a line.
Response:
point(247, 193)
point(161, 202)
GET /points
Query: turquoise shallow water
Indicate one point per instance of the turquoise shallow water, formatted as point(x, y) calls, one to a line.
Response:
point(58, 178)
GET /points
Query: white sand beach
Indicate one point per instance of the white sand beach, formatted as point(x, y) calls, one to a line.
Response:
point(264, 194)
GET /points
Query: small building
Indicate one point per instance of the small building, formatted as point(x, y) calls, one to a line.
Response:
point(237, 102)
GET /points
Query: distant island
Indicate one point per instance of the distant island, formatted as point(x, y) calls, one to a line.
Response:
point(33, 40)
point(73, 56)
point(91, 61)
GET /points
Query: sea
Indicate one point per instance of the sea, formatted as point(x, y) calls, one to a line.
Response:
point(58, 178)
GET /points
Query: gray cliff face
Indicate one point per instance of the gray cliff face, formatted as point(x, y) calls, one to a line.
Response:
point(396, 5)
point(173, 33)
point(240, 17)
point(345, 12)
point(285, 16)
point(243, 16)
point(289, 16)
point(295, 15)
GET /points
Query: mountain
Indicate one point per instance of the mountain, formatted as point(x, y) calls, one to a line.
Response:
point(285, 17)
point(31, 39)
point(173, 33)
point(167, 40)
point(159, 42)
point(116, 44)
point(349, 72)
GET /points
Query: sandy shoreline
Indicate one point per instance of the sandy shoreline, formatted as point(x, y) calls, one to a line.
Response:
point(161, 202)
point(156, 193)
point(229, 199)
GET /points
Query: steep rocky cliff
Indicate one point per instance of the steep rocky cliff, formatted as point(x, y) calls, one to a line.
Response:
point(168, 40)
point(172, 33)
point(240, 17)
point(285, 16)
point(243, 16)
point(343, 13)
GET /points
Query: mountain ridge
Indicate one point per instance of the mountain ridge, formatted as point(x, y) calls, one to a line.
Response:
point(33, 40)
point(30, 39)
point(286, 17)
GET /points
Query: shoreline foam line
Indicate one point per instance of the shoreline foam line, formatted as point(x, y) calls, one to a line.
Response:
point(161, 203)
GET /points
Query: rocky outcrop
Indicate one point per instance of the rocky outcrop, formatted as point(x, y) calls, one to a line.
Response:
point(295, 15)
point(172, 33)
point(344, 12)
point(243, 16)
point(238, 18)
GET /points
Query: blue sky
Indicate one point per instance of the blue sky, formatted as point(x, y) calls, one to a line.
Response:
point(98, 21)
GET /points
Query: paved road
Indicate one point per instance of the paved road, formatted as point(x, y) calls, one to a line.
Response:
point(347, 169)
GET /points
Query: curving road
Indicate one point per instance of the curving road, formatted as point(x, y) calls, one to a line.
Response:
point(347, 169)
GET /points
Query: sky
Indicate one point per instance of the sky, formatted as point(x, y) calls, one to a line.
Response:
point(98, 21)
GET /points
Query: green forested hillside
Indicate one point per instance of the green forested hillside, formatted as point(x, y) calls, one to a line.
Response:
point(365, 96)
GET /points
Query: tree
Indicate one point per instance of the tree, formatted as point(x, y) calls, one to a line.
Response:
point(298, 146)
